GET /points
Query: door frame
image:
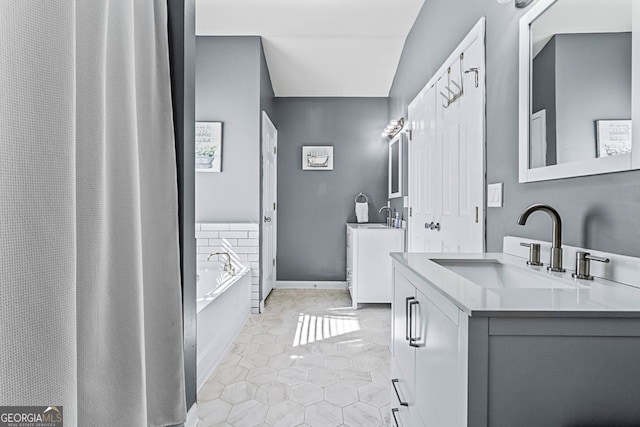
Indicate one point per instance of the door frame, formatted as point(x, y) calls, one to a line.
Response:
point(267, 124)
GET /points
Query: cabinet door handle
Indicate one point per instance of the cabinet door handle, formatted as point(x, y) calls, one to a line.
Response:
point(413, 342)
point(393, 413)
point(407, 318)
point(395, 387)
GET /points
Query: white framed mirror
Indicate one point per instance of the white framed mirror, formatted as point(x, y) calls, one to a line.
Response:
point(578, 114)
point(395, 166)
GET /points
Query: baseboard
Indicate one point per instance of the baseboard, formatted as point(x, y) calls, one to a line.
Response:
point(294, 284)
point(192, 417)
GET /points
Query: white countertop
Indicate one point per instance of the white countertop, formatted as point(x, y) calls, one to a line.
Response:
point(597, 298)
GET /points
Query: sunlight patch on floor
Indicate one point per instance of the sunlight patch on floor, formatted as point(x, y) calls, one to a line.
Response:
point(312, 328)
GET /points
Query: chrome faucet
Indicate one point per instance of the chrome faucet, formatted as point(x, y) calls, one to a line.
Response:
point(228, 267)
point(388, 214)
point(556, 243)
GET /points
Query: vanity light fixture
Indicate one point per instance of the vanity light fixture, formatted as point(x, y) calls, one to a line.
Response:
point(519, 3)
point(393, 128)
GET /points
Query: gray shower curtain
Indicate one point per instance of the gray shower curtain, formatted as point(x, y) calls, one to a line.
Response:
point(90, 302)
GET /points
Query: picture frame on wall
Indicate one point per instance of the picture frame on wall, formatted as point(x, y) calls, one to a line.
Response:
point(613, 137)
point(208, 147)
point(317, 157)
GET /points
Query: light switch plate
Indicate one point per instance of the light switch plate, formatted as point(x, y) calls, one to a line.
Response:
point(494, 195)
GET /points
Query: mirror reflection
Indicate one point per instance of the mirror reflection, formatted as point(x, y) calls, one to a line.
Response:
point(580, 82)
point(395, 166)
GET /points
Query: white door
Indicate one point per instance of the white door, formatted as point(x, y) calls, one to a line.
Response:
point(425, 194)
point(538, 145)
point(462, 222)
point(446, 159)
point(269, 205)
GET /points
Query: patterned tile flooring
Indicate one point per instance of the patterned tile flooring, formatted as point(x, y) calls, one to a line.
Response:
point(308, 360)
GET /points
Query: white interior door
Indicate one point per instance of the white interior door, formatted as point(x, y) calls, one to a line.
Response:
point(462, 141)
point(425, 170)
point(269, 204)
point(538, 145)
point(446, 157)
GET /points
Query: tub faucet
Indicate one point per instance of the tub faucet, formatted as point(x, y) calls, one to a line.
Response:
point(556, 243)
point(228, 267)
point(388, 214)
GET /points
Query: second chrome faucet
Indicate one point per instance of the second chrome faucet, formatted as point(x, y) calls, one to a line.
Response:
point(556, 242)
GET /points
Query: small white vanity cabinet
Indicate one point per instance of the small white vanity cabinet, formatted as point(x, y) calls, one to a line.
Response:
point(429, 356)
point(368, 261)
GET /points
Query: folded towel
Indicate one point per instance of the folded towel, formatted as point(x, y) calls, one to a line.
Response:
point(362, 212)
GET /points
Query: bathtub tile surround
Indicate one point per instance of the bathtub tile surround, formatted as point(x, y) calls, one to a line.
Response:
point(308, 359)
point(241, 240)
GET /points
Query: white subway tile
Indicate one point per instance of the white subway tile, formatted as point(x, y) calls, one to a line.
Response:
point(246, 250)
point(206, 235)
point(233, 234)
point(254, 235)
point(229, 243)
point(248, 242)
point(206, 249)
point(243, 227)
point(214, 227)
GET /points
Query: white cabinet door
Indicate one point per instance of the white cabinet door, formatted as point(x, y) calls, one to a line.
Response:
point(403, 354)
point(437, 368)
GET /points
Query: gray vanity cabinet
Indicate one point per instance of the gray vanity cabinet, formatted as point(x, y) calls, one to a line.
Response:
point(506, 369)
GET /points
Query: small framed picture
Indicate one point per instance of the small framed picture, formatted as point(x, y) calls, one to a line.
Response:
point(613, 137)
point(317, 157)
point(209, 146)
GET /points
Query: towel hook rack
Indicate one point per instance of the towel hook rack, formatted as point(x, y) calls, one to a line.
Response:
point(366, 199)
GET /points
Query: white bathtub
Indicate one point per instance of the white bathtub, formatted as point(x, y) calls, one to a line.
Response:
point(223, 307)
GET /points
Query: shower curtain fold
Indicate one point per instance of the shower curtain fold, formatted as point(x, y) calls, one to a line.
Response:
point(109, 200)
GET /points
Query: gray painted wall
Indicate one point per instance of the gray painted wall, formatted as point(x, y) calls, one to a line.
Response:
point(599, 212)
point(314, 206)
point(228, 89)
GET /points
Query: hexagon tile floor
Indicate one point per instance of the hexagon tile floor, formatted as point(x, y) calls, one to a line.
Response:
point(308, 360)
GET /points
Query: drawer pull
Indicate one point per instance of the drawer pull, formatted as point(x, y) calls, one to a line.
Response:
point(393, 413)
point(407, 317)
point(394, 382)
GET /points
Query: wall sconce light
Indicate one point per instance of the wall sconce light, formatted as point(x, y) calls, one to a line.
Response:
point(393, 128)
point(519, 3)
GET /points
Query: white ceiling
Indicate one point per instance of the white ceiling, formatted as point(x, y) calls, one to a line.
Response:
point(331, 48)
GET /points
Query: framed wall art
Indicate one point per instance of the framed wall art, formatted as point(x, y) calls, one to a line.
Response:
point(208, 146)
point(317, 157)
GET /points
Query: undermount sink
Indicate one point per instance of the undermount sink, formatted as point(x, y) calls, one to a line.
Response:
point(496, 274)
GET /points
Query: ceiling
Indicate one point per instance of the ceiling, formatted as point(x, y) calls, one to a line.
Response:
point(319, 48)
